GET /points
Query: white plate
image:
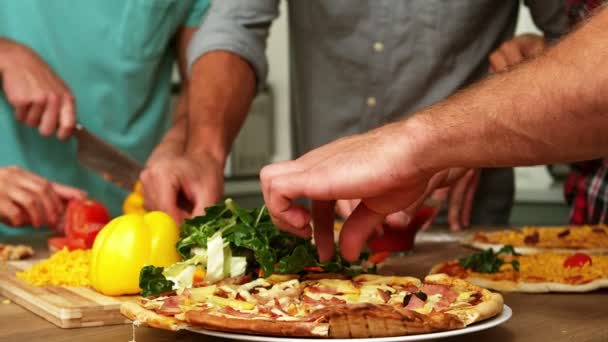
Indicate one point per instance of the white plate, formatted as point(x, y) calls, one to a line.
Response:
point(503, 317)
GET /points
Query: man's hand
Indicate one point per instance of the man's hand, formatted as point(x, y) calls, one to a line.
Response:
point(459, 198)
point(381, 168)
point(40, 98)
point(28, 199)
point(200, 180)
point(515, 51)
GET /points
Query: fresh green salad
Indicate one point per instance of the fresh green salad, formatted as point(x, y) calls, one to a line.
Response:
point(229, 241)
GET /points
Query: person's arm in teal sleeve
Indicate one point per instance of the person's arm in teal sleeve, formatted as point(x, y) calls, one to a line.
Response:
point(198, 11)
point(39, 97)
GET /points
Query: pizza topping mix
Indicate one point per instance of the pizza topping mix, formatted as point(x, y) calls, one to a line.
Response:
point(67, 268)
point(298, 300)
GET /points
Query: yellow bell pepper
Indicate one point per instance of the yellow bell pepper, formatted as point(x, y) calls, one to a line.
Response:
point(134, 202)
point(127, 244)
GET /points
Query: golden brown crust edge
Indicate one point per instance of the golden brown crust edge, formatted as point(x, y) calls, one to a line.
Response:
point(135, 312)
point(256, 326)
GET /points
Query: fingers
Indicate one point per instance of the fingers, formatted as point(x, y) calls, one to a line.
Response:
point(67, 118)
point(67, 192)
point(345, 207)
point(357, 229)
point(32, 118)
point(46, 197)
point(498, 62)
point(280, 195)
point(469, 198)
point(160, 193)
point(323, 215)
point(11, 214)
point(456, 201)
point(50, 116)
point(27, 201)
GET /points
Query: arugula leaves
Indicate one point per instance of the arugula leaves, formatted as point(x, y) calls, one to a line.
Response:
point(488, 261)
point(152, 281)
point(252, 234)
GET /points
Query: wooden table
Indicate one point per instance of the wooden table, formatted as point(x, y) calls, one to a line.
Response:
point(536, 317)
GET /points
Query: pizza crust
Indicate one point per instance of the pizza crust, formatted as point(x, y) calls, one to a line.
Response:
point(491, 303)
point(341, 321)
point(135, 312)
point(541, 287)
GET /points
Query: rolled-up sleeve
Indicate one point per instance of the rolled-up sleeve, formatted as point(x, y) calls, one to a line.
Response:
point(550, 16)
point(237, 26)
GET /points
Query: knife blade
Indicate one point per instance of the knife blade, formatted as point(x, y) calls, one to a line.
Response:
point(106, 160)
point(112, 164)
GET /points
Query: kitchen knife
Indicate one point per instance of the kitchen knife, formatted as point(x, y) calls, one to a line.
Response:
point(106, 160)
point(112, 164)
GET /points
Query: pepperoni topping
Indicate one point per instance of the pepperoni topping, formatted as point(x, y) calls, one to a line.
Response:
point(563, 233)
point(475, 298)
point(532, 239)
point(385, 295)
point(446, 293)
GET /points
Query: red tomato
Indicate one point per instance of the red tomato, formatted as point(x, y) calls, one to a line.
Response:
point(577, 260)
point(79, 216)
point(92, 231)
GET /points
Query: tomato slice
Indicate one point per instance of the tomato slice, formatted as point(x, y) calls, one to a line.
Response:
point(80, 214)
point(92, 231)
point(577, 260)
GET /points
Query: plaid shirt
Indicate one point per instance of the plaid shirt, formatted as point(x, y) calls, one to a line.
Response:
point(586, 187)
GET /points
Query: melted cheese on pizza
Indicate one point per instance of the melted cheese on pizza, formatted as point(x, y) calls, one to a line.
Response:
point(289, 299)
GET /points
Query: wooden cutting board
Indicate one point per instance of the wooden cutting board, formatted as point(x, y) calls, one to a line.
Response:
point(66, 307)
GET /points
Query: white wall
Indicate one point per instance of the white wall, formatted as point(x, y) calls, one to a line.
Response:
point(279, 80)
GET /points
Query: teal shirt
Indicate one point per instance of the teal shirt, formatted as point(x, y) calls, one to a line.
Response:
point(117, 58)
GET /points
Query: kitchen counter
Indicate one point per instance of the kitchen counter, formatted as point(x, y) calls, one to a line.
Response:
point(536, 317)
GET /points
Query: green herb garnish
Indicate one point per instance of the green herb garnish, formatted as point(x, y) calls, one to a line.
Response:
point(152, 281)
point(488, 261)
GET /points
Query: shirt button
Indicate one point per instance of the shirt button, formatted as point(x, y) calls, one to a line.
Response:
point(371, 101)
point(378, 46)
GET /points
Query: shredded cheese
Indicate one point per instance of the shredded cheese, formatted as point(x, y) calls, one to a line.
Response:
point(62, 268)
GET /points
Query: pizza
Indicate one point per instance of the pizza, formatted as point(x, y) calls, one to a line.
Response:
point(542, 272)
point(529, 240)
point(322, 305)
point(15, 252)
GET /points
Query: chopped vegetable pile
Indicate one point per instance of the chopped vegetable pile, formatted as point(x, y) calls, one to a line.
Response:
point(67, 268)
point(229, 241)
point(488, 261)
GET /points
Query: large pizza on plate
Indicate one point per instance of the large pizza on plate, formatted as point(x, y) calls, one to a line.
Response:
point(323, 305)
point(241, 274)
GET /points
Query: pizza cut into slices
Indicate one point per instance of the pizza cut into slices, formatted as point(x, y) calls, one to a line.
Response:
point(542, 272)
point(590, 239)
point(15, 252)
point(329, 306)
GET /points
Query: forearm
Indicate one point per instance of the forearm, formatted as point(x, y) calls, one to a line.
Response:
point(551, 109)
point(222, 87)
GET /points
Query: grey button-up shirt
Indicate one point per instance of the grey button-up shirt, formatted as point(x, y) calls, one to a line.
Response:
point(357, 64)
